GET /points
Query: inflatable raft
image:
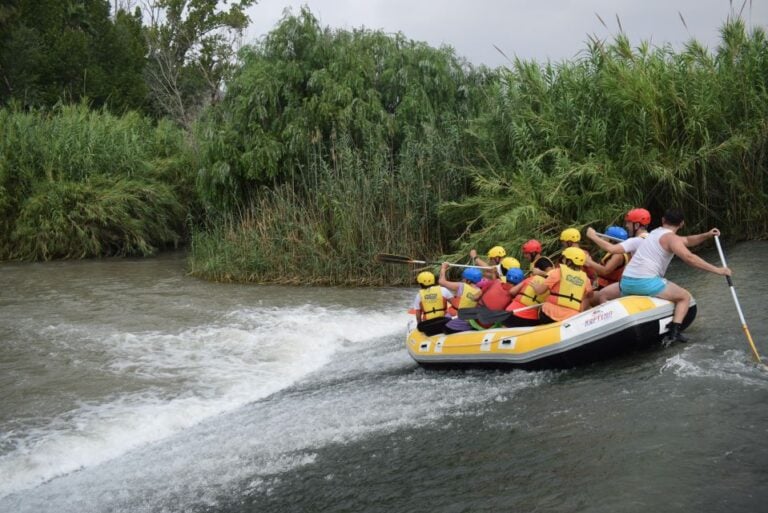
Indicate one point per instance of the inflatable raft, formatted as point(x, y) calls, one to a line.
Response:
point(618, 326)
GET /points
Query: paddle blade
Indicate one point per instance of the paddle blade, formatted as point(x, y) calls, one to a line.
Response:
point(396, 259)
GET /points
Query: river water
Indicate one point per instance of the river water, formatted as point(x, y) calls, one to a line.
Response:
point(127, 386)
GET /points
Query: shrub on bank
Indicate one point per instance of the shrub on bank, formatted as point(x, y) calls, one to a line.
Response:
point(75, 182)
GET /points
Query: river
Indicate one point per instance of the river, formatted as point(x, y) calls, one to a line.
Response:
point(128, 386)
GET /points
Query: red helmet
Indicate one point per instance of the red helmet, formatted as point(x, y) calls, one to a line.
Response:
point(532, 246)
point(638, 215)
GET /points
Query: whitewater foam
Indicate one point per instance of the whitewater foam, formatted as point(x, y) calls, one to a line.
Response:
point(190, 376)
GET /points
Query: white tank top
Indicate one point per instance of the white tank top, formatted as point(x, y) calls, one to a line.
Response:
point(650, 259)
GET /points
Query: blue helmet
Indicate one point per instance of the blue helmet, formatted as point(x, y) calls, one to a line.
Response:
point(616, 232)
point(515, 275)
point(472, 274)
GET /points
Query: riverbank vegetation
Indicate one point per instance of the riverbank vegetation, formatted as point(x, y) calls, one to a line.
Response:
point(325, 147)
point(76, 182)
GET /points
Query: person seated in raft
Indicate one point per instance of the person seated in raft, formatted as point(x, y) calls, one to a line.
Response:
point(571, 238)
point(526, 296)
point(496, 292)
point(611, 265)
point(532, 252)
point(495, 254)
point(465, 295)
point(569, 288)
point(636, 223)
point(494, 299)
point(430, 306)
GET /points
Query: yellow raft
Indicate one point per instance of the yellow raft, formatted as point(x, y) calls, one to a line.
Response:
point(618, 326)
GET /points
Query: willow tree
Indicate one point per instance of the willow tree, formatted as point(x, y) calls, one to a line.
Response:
point(358, 131)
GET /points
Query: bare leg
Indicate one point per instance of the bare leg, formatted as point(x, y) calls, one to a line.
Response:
point(612, 291)
point(680, 297)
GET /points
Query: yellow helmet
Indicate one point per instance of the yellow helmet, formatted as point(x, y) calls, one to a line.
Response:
point(426, 278)
point(570, 235)
point(575, 255)
point(496, 252)
point(510, 263)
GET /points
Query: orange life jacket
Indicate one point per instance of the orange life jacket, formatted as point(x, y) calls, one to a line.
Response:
point(528, 297)
point(569, 291)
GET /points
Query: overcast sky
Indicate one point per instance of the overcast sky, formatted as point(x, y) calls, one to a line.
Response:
point(530, 29)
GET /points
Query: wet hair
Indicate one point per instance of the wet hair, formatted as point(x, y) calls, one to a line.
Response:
point(674, 216)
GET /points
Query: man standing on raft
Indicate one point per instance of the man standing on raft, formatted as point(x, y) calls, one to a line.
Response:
point(644, 274)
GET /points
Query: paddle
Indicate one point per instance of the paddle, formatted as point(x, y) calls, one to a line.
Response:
point(736, 301)
point(609, 237)
point(486, 316)
point(399, 259)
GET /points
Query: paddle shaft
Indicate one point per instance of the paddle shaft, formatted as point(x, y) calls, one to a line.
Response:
point(397, 259)
point(736, 302)
point(530, 307)
point(609, 237)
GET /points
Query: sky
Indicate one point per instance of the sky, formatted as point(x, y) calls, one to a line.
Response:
point(541, 30)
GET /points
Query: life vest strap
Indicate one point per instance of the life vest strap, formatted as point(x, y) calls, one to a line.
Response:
point(570, 297)
point(533, 298)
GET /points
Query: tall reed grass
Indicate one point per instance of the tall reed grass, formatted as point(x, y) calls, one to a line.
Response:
point(334, 146)
point(581, 142)
point(326, 227)
point(76, 182)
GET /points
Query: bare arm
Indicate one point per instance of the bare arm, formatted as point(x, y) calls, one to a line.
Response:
point(695, 240)
point(603, 244)
point(539, 288)
point(515, 289)
point(445, 282)
point(676, 245)
point(611, 265)
point(596, 266)
point(476, 260)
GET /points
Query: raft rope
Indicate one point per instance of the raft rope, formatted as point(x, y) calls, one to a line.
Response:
point(738, 306)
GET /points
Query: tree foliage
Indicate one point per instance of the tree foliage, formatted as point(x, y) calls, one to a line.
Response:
point(304, 88)
point(332, 144)
point(191, 52)
point(54, 50)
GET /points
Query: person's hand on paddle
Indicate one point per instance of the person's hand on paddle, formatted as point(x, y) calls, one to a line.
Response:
point(714, 232)
point(473, 254)
point(724, 271)
point(591, 233)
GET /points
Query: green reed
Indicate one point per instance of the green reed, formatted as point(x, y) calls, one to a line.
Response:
point(333, 146)
point(580, 142)
point(75, 182)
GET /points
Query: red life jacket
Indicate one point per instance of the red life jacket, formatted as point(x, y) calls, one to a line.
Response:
point(496, 296)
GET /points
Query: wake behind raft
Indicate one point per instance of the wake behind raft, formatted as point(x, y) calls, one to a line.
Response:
point(620, 326)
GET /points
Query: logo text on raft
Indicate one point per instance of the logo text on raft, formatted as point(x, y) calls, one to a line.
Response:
point(598, 316)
